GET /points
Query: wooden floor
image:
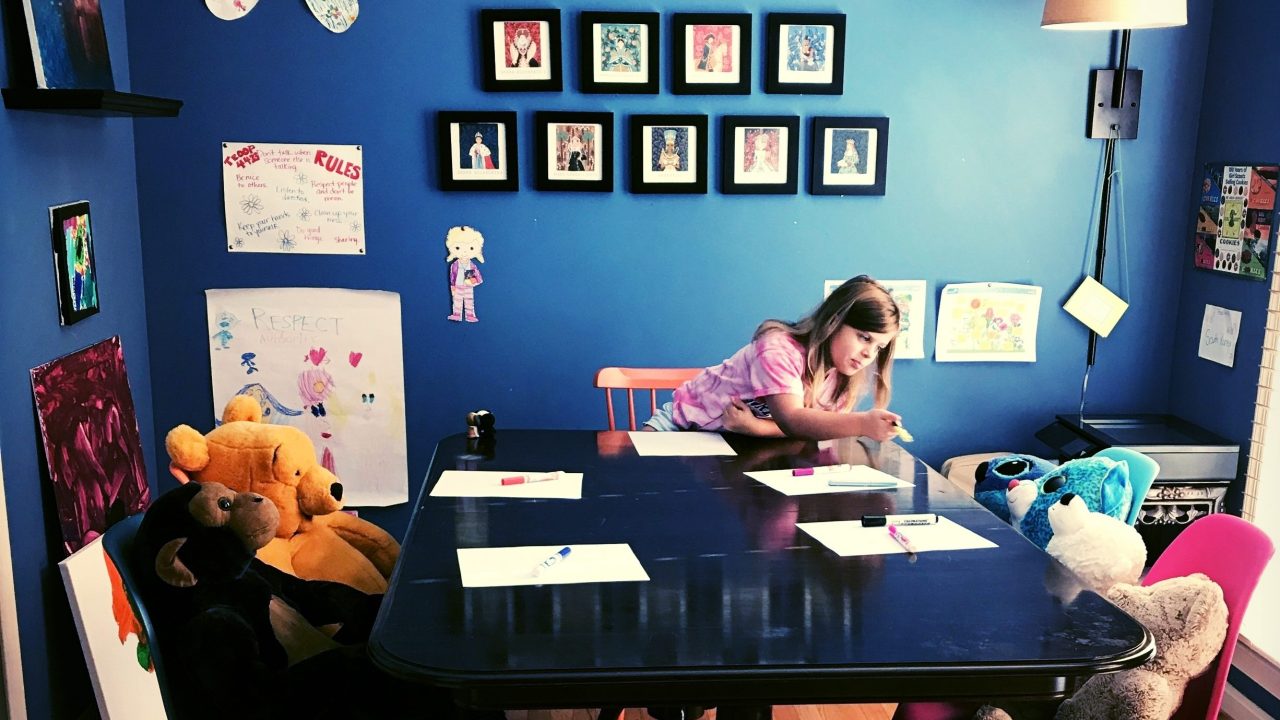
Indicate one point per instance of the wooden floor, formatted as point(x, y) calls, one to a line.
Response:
point(780, 712)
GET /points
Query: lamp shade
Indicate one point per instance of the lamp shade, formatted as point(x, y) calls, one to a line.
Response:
point(1113, 14)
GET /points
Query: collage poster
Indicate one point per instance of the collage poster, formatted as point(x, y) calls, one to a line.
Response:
point(987, 322)
point(1234, 225)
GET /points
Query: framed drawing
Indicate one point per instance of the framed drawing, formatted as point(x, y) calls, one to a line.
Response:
point(477, 150)
point(521, 49)
point(574, 151)
point(618, 52)
point(76, 272)
point(1235, 220)
point(712, 54)
point(849, 155)
point(668, 153)
point(759, 154)
point(805, 53)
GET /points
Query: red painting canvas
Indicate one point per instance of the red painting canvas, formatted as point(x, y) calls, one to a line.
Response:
point(91, 440)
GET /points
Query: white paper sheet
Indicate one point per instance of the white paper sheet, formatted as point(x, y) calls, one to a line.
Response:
point(680, 443)
point(787, 484)
point(507, 566)
point(488, 483)
point(987, 322)
point(1096, 306)
point(1218, 333)
point(848, 538)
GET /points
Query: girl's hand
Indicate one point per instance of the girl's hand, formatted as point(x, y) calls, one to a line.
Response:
point(880, 425)
point(738, 418)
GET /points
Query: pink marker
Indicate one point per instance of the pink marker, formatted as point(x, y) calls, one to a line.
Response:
point(529, 478)
point(902, 539)
point(798, 472)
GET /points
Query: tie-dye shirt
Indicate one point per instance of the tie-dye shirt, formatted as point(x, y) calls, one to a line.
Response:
point(773, 364)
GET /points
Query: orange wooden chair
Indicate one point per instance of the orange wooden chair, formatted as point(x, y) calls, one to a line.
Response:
point(632, 379)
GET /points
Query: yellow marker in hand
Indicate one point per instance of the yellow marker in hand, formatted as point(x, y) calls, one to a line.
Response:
point(903, 434)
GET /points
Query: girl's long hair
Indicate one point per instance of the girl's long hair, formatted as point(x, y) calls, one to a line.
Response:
point(863, 304)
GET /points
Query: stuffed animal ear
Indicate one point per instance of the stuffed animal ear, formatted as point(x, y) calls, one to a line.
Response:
point(242, 407)
point(1207, 609)
point(1117, 493)
point(170, 568)
point(187, 448)
point(980, 472)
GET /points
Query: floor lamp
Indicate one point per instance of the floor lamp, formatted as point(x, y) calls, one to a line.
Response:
point(1114, 95)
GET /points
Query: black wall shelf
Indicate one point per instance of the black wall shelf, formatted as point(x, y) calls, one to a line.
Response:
point(89, 102)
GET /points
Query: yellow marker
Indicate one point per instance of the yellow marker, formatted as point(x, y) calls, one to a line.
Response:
point(903, 434)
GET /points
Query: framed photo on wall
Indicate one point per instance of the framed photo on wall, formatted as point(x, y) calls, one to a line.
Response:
point(668, 153)
point(759, 154)
point(574, 151)
point(805, 53)
point(1235, 221)
point(521, 49)
point(712, 54)
point(849, 155)
point(76, 272)
point(618, 52)
point(477, 150)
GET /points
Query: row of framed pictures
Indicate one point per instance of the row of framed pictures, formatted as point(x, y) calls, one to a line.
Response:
point(619, 51)
point(759, 154)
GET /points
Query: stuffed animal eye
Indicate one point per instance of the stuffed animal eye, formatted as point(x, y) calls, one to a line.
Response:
point(224, 503)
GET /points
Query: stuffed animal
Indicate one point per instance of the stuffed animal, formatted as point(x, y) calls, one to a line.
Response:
point(1101, 482)
point(993, 478)
point(1188, 617)
point(313, 540)
point(1101, 550)
point(1018, 499)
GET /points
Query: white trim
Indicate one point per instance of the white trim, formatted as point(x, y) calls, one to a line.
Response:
point(15, 696)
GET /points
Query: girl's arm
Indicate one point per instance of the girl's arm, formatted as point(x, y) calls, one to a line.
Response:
point(739, 418)
point(796, 420)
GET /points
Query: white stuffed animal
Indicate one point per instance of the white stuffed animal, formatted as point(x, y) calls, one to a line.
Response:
point(1098, 548)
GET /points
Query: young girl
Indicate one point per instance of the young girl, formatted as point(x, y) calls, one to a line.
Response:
point(801, 379)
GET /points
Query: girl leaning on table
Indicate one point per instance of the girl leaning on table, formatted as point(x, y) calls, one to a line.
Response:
point(801, 379)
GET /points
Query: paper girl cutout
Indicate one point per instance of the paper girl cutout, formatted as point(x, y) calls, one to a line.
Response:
point(466, 248)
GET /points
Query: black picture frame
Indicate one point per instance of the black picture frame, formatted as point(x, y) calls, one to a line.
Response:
point(833, 170)
point(805, 53)
point(528, 57)
point(559, 136)
point(711, 54)
point(633, 67)
point(75, 270)
point(497, 129)
point(759, 154)
point(680, 167)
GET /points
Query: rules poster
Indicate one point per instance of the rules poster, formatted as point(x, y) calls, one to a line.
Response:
point(987, 322)
point(328, 361)
point(289, 198)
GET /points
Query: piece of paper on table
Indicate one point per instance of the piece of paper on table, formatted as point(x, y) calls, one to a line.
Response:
point(1218, 333)
point(1096, 306)
point(848, 538)
point(507, 566)
point(680, 443)
point(787, 484)
point(487, 483)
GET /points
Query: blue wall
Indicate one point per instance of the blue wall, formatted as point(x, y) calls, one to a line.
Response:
point(50, 159)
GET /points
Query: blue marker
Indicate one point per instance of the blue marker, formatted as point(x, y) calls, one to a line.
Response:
point(560, 556)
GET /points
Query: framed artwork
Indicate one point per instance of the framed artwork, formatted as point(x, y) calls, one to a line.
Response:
point(477, 150)
point(712, 54)
point(668, 153)
point(759, 154)
point(521, 49)
point(849, 155)
point(1234, 222)
point(619, 52)
point(574, 151)
point(805, 53)
point(68, 44)
point(76, 272)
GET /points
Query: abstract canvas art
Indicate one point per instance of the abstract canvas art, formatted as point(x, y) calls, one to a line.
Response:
point(69, 44)
point(91, 440)
point(73, 261)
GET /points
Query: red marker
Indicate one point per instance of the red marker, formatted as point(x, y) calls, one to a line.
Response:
point(532, 478)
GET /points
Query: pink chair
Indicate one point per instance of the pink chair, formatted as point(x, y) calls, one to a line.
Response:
point(1233, 553)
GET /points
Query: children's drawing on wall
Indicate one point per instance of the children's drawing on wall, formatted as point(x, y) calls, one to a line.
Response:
point(519, 46)
point(336, 15)
point(1218, 333)
point(230, 9)
point(319, 357)
point(1234, 221)
point(91, 440)
point(293, 198)
point(223, 337)
point(73, 261)
point(987, 322)
point(466, 248)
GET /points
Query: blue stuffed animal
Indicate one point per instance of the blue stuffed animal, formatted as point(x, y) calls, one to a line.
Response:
point(1101, 482)
point(993, 479)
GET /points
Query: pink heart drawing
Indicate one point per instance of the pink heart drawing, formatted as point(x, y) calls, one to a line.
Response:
point(355, 358)
point(316, 356)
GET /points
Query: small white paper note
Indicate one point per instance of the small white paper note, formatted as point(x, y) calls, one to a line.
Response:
point(487, 483)
point(1218, 334)
point(787, 484)
point(848, 538)
point(1096, 306)
point(680, 443)
point(507, 566)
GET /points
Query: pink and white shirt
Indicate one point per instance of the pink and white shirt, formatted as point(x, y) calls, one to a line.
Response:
point(773, 364)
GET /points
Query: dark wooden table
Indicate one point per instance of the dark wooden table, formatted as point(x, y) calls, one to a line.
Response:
point(742, 608)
